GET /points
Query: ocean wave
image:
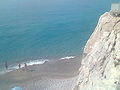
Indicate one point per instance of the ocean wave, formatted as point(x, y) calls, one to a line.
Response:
point(31, 62)
point(68, 57)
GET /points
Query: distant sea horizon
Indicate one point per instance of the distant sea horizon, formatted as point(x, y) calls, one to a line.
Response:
point(37, 29)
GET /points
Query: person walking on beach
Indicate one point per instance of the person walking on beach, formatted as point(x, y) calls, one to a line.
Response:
point(6, 65)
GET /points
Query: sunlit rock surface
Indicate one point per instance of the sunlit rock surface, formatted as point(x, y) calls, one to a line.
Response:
point(100, 69)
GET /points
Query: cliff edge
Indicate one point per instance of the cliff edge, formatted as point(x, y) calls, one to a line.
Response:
point(100, 68)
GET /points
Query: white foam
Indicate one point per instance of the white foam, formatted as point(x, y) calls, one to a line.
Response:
point(68, 57)
point(31, 62)
point(34, 62)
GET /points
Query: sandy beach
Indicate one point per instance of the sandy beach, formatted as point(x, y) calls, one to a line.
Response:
point(52, 75)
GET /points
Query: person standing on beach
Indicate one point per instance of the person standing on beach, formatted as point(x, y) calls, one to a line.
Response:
point(19, 66)
point(25, 66)
point(6, 65)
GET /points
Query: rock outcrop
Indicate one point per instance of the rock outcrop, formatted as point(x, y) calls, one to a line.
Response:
point(100, 68)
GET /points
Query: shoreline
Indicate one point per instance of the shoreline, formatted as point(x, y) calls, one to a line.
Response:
point(56, 70)
point(13, 67)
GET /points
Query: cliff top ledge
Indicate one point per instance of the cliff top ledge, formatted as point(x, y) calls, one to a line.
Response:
point(115, 9)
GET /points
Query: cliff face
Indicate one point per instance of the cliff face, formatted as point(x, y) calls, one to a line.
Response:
point(100, 68)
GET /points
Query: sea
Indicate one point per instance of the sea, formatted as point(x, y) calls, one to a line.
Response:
point(38, 30)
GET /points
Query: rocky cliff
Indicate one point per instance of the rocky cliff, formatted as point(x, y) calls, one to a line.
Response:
point(100, 68)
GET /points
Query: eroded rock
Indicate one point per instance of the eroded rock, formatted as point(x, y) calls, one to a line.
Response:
point(100, 69)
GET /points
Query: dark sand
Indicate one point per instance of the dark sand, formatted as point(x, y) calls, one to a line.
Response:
point(52, 75)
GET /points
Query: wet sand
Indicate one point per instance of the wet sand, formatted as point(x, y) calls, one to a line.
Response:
point(52, 75)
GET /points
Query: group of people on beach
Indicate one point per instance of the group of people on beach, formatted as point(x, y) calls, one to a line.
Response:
point(19, 66)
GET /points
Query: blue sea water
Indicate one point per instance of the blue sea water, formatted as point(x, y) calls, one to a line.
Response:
point(47, 29)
